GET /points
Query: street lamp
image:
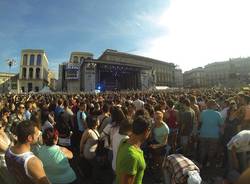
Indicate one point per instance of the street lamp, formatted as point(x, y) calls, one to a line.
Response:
point(10, 62)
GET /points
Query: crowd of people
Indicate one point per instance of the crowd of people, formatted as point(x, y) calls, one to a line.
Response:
point(119, 137)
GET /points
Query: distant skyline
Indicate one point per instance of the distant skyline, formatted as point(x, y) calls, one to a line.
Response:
point(190, 33)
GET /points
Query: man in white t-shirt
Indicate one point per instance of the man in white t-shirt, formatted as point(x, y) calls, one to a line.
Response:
point(139, 104)
point(124, 132)
point(225, 108)
point(239, 151)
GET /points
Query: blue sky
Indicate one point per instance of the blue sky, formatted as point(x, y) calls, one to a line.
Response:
point(189, 33)
point(63, 26)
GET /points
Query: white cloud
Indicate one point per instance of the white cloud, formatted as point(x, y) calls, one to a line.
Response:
point(198, 32)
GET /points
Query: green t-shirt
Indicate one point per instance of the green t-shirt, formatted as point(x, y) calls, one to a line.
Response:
point(130, 160)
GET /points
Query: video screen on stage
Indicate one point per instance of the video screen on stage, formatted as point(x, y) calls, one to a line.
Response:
point(72, 72)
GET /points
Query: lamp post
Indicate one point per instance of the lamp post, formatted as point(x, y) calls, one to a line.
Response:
point(10, 62)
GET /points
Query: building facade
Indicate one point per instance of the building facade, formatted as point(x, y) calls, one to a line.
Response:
point(75, 72)
point(8, 82)
point(178, 78)
point(113, 70)
point(194, 78)
point(33, 74)
point(52, 81)
point(217, 74)
point(231, 73)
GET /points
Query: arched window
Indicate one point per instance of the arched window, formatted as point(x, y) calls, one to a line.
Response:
point(32, 59)
point(25, 59)
point(37, 73)
point(81, 59)
point(39, 60)
point(31, 73)
point(24, 73)
point(75, 60)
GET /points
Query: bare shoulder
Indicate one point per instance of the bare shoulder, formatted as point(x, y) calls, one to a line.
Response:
point(34, 161)
point(63, 149)
point(35, 167)
point(86, 133)
point(66, 152)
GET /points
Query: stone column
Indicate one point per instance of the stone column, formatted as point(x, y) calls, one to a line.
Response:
point(90, 77)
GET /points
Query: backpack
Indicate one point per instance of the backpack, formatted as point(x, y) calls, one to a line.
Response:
point(101, 153)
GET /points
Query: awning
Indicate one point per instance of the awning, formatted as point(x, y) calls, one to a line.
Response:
point(161, 87)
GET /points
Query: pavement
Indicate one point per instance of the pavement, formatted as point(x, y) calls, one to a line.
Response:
point(209, 175)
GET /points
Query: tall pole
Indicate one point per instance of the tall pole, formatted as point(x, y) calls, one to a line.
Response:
point(10, 62)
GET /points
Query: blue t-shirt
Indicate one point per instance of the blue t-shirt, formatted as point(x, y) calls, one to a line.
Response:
point(58, 111)
point(210, 123)
point(27, 115)
point(81, 117)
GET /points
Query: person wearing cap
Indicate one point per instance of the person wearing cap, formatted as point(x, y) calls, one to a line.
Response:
point(239, 151)
point(211, 123)
point(179, 170)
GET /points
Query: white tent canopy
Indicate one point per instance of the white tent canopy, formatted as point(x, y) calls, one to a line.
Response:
point(45, 89)
point(161, 87)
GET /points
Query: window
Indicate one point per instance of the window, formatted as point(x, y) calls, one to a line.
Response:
point(39, 60)
point(29, 87)
point(25, 59)
point(32, 59)
point(37, 73)
point(75, 60)
point(81, 59)
point(22, 88)
point(24, 73)
point(36, 89)
point(31, 73)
